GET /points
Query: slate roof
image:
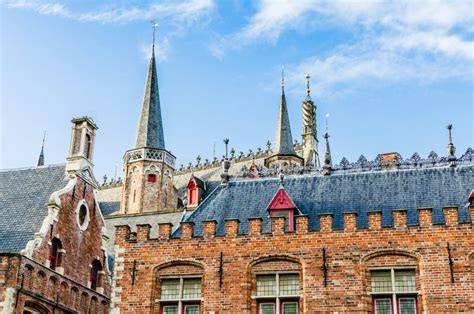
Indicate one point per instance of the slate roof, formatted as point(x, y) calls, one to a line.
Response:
point(24, 194)
point(150, 126)
point(338, 193)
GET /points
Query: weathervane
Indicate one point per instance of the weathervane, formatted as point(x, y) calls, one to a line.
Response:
point(155, 25)
point(308, 91)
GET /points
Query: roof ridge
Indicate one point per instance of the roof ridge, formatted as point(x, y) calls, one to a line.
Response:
point(33, 167)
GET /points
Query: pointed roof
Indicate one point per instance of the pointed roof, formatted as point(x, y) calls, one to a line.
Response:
point(284, 140)
point(41, 156)
point(150, 126)
point(281, 200)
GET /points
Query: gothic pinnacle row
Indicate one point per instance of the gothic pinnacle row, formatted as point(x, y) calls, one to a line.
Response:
point(150, 126)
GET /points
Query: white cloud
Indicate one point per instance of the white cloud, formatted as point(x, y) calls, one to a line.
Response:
point(183, 12)
point(422, 40)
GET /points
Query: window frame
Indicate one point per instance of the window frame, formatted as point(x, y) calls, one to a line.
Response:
point(278, 299)
point(393, 295)
point(180, 303)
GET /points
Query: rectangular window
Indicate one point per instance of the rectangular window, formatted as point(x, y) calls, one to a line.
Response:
point(266, 285)
point(289, 285)
point(381, 281)
point(192, 288)
point(267, 308)
point(395, 285)
point(191, 309)
point(290, 308)
point(170, 309)
point(407, 305)
point(383, 306)
point(405, 280)
point(170, 289)
point(152, 178)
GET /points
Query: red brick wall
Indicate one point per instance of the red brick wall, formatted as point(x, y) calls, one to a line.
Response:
point(350, 253)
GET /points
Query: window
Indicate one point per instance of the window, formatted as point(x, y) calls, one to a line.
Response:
point(95, 272)
point(88, 146)
point(54, 254)
point(152, 178)
point(83, 215)
point(394, 291)
point(192, 193)
point(180, 295)
point(279, 293)
point(289, 220)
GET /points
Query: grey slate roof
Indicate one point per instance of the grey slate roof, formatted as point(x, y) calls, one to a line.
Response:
point(108, 208)
point(150, 126)
point(353, 192)
point(24, 194)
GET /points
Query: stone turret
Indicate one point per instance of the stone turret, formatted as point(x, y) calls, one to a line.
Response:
point(149, 167)
point(309, 136)
point(81, 149)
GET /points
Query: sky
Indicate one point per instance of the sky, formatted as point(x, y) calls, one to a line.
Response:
point(390, 74)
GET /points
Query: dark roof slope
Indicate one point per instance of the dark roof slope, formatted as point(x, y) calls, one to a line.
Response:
point(354, 192)
point(24, 194)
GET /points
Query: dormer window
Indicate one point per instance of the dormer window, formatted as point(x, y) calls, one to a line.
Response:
point(283, 206)
point(195, 191)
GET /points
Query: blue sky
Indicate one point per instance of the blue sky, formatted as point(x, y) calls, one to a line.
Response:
point(391, 74)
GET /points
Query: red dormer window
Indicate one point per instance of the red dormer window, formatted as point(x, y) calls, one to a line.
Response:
point(152, 178)
point(471, 198)
point(192, 193)
point(283, 206)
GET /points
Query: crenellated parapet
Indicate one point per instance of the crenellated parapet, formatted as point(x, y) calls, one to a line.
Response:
point(302, 226)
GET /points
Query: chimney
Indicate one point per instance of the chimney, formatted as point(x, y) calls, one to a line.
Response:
point(81, 148)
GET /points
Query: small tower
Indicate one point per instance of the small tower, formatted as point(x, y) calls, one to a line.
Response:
point(327, 162)
point(451, 148)
point(81, 148)
point(149, 167)
point(284, 154)
point(309, 136)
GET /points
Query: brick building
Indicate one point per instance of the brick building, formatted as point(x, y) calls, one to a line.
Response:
point(52, 244)
point(271, 231)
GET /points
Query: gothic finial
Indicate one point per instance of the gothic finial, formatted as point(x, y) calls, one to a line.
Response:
point(327, 163)
point(155, 25)
point(41, 156)
point(327, 119)
point(451, 148)
point(282, 178)
point(226, 142)
point(308, 90)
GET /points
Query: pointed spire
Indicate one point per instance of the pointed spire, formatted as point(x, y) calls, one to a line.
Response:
point(451, 148)
point(150, 126)
point(41, 156)
point(284, 140)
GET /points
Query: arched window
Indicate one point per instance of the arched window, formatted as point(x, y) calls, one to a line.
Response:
point(87, 146)
point(55, 254)
point(95, 272)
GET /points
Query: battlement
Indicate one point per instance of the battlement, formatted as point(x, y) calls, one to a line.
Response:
point(209, 227)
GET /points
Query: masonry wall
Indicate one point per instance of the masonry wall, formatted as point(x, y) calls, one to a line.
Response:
point(350, 254)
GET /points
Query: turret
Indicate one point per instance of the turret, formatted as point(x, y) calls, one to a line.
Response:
point(81, 149)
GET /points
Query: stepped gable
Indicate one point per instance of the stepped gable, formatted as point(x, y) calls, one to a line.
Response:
point(24, 194)
point(340, 193)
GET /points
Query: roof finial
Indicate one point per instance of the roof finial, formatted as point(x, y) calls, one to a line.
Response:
point(308, 90)
point(282, 178)
point(327, 162)
point(327, 119)
point(155, 25)
point(451, 148)
point(41, 156)
point(283, 80)
point(226, 164)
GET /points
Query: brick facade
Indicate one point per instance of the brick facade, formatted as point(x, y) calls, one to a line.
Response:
point(351, 253)
point(28, 282)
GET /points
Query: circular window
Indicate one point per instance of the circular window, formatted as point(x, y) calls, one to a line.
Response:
point(82, 215)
